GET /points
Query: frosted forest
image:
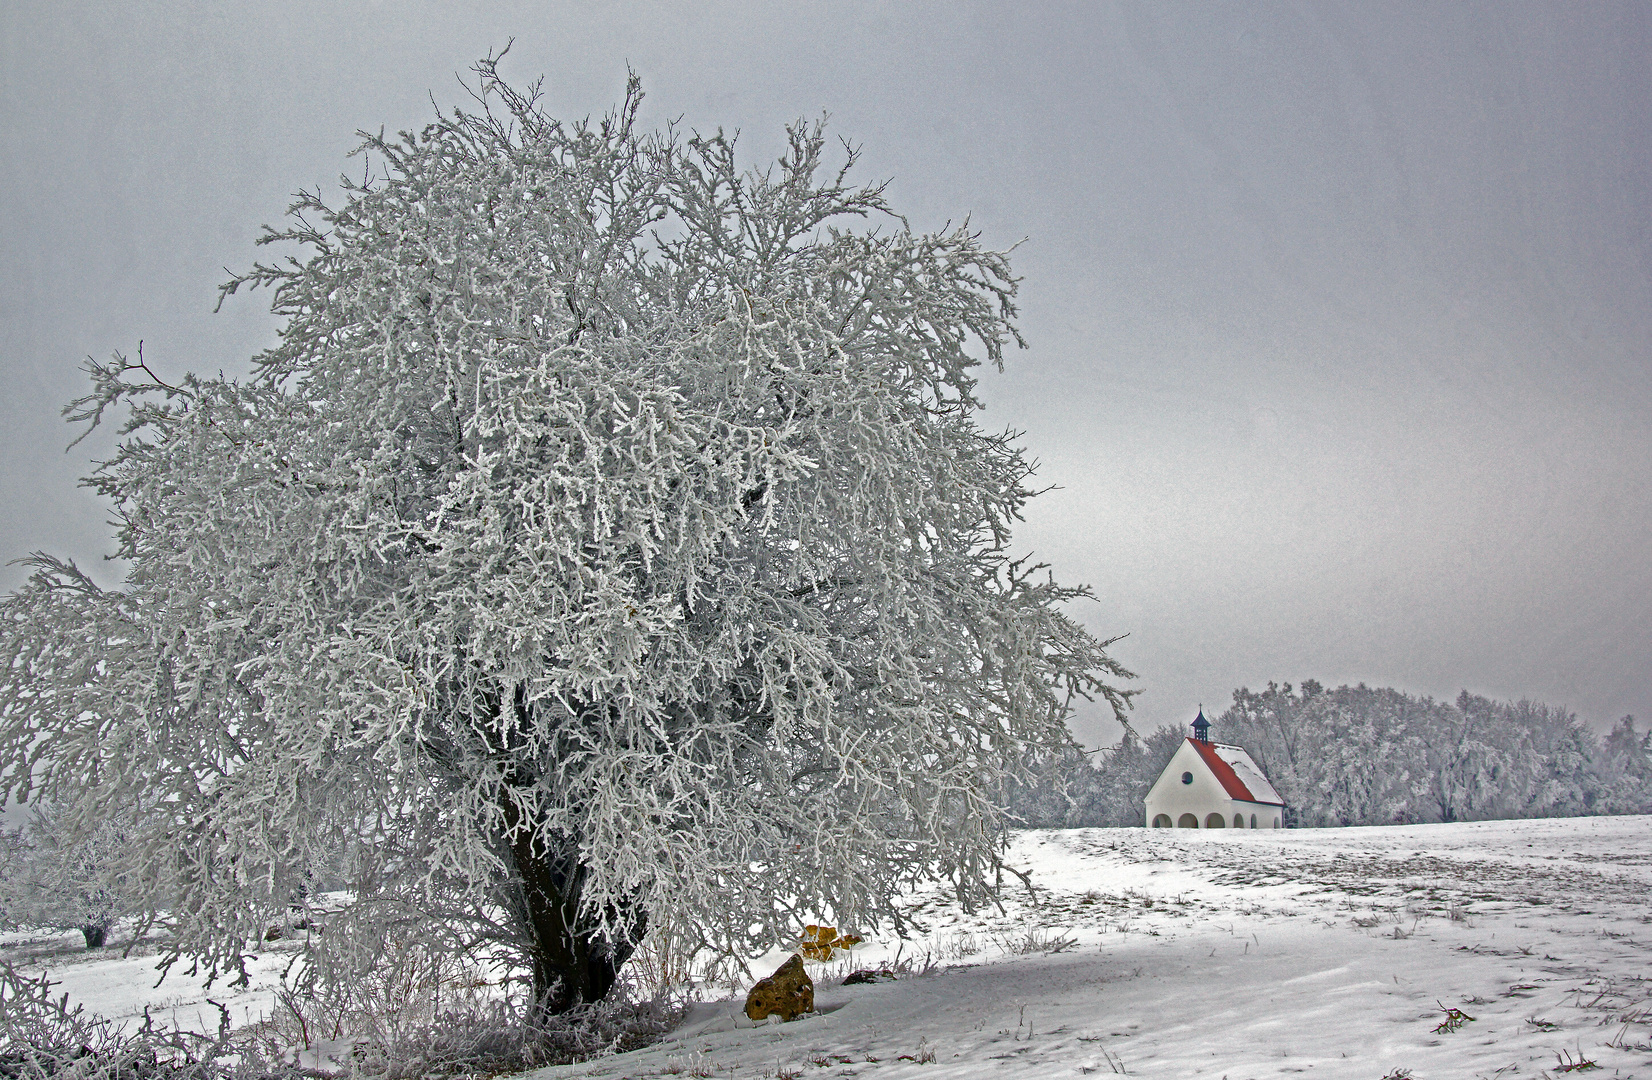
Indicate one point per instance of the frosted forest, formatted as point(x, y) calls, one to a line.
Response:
point(1360, 755)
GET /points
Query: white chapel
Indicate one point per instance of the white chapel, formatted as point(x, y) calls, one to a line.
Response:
point(1212, 786)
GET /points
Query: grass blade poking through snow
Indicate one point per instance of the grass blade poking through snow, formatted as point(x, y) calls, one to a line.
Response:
point(1455, 1019)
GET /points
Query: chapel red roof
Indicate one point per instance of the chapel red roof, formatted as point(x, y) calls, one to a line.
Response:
point(1223, 772)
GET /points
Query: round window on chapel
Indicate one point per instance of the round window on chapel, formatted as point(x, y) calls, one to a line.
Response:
point(1187, 778)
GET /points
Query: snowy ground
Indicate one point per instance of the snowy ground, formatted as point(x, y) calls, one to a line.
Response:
point(121, 980)
point(1236, 954)
point(1333, 952)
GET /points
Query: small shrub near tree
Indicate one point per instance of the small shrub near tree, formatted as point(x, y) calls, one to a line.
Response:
point(386, 1033)
point(42, 1036)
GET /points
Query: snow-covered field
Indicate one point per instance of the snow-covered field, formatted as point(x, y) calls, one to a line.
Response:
point(1333, 952)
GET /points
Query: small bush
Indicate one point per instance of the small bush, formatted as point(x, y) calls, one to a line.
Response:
point(1034, 941)
point(42, 1038)
point(865, 976)
point(421, 1012)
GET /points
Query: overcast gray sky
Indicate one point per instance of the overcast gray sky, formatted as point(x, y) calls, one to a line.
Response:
point(1340, 316)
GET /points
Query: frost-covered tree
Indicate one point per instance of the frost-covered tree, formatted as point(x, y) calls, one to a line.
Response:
point(51, 877)
point(1625, 765)
point(1073, 789)
point(1629, 751)
point(1123, 776)
point(608, 543)
point(1267, 724)
point(1362, 767)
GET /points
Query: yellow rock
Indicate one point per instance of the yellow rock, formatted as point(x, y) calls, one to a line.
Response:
point(789, 992)
point(819, 941)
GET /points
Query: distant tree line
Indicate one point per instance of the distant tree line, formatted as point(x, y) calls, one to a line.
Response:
point(1360, 755)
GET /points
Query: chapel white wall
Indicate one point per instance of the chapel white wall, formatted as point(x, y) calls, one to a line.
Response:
point(1202, 797)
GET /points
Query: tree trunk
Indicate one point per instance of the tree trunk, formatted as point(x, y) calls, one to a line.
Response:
point(571, 963)
point(94, 935)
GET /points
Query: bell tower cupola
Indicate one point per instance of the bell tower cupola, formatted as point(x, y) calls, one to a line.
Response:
point(1201, 726)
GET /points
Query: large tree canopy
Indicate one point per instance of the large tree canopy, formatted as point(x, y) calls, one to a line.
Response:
point(607, 543)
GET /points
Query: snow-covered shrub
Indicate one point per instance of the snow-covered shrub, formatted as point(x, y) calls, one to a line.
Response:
point(426, 1012)
point(385, 1033)
point(609, 535)
point(42, 1037)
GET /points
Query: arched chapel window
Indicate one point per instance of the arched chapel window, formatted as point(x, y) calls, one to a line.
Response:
point(1187, 821)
